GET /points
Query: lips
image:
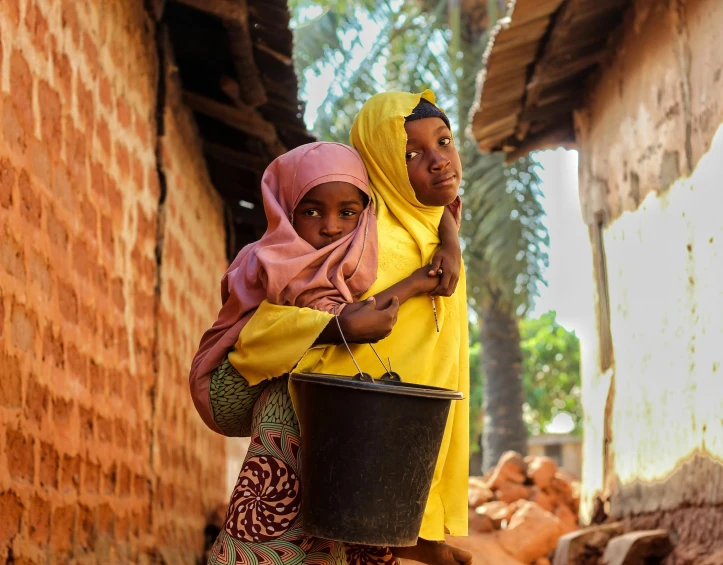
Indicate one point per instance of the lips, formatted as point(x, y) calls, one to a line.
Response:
point(444, 181)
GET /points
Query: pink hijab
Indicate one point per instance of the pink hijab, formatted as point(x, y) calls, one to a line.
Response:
point(283, 268)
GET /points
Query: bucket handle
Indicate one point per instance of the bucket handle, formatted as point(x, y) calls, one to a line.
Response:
point(388, 375)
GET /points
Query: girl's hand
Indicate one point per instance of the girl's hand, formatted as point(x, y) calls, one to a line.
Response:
point(363, 323)
point(423, 282)
point(447, 265)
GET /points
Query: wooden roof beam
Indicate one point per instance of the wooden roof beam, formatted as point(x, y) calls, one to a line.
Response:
point(235, 158)
point(224, 9)
point(247, 120)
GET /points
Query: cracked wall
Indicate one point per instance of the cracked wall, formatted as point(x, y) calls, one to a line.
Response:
point(102, 456)
point(651, 148)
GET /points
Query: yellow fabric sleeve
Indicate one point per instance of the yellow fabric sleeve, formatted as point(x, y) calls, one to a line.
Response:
point(275, 339)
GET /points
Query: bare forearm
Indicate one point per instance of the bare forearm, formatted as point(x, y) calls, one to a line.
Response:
point(403, 290)
point(448, 230)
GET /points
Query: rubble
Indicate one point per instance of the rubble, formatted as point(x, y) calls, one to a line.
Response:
point(524, 506)
point(531, 534)
point(638, 548)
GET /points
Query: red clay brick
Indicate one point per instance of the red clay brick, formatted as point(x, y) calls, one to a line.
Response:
point(78, 159)
point(90, 218)
point(124, 113)
point(124, 481)
point(56, 230)
point(116, 388)
point(105, 429)
point(11, 511)
point(39, 522)
point(87, 425)
point(97, 181)
point(91, 51)
point(86, 528)
point(123, 159)
point(91, 478)
point(63, 190)
point(61, 529)
point(20, 452)
point(106, 519)
point(68, 300)
point(88, 319)
point(141, 487)
point(70, 474)
point(23, 328)
point(30, 203)
point(110, 479)
point(104, 92)
point(53, 347)
point(38, 27)
point(96, 378)
point(82, 258)
point(121, 433)
point(116, 286)
point(11, 381)
point(51, 122)
point(62, 413)
point(7, 182)
point(40, 162)
point(115, 198)
point(12, 256)
point(63, 72)
point(70, 20)
point(21, 90)
point(49, 466)
point(13, 131)
point(77, 364)
point(36, 402)
point(39, 272)
point(86, 106)
point(102, 134)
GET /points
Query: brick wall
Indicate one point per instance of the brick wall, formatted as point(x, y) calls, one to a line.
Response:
point(101, 453)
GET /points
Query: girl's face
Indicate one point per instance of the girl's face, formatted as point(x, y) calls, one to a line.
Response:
point(433, 164)
point(328, 212)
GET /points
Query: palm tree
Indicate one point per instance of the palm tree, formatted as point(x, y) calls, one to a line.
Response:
point(439, 44)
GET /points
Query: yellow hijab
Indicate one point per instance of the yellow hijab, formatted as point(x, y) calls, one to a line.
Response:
point(408, 237)
point(276, 337)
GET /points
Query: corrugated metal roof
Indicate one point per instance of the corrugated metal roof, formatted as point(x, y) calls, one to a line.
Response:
point(534, 71)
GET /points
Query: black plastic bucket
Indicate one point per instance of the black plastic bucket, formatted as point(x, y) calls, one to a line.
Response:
point(368, 453)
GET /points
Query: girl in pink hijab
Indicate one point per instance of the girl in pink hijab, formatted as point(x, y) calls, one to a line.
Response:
point(319, 252)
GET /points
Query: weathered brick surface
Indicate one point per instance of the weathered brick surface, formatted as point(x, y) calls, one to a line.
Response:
point(102, 457)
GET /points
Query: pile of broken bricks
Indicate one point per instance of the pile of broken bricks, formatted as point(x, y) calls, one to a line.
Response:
point(524, 512)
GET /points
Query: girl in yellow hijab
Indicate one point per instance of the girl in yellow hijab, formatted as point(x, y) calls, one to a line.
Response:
point(414, 172)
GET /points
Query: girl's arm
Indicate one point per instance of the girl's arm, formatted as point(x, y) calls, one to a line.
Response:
point(447, 262)
point(419, 282)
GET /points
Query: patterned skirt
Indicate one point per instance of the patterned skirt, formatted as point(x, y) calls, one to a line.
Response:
point(263, 522)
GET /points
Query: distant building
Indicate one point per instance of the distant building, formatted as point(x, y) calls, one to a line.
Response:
point(565, 449)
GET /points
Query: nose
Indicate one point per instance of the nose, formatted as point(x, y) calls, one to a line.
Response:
point(331, 226)
point(438, 162)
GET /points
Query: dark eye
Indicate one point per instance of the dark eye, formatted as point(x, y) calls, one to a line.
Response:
point(445, 141)
point(348, 213)
point(312, 213)
point(411, 155)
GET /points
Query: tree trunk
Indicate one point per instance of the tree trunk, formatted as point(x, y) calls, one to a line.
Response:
point(504, 429)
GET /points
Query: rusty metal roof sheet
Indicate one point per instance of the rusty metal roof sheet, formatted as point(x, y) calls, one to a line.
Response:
point(534, 70)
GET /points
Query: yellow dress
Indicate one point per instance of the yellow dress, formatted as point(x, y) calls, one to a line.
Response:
point(277, 339)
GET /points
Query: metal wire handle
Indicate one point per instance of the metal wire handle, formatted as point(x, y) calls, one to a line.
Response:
point(392, 375)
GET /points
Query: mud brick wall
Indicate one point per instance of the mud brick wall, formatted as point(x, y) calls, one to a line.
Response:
point(111, 246)
point(651, 147)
